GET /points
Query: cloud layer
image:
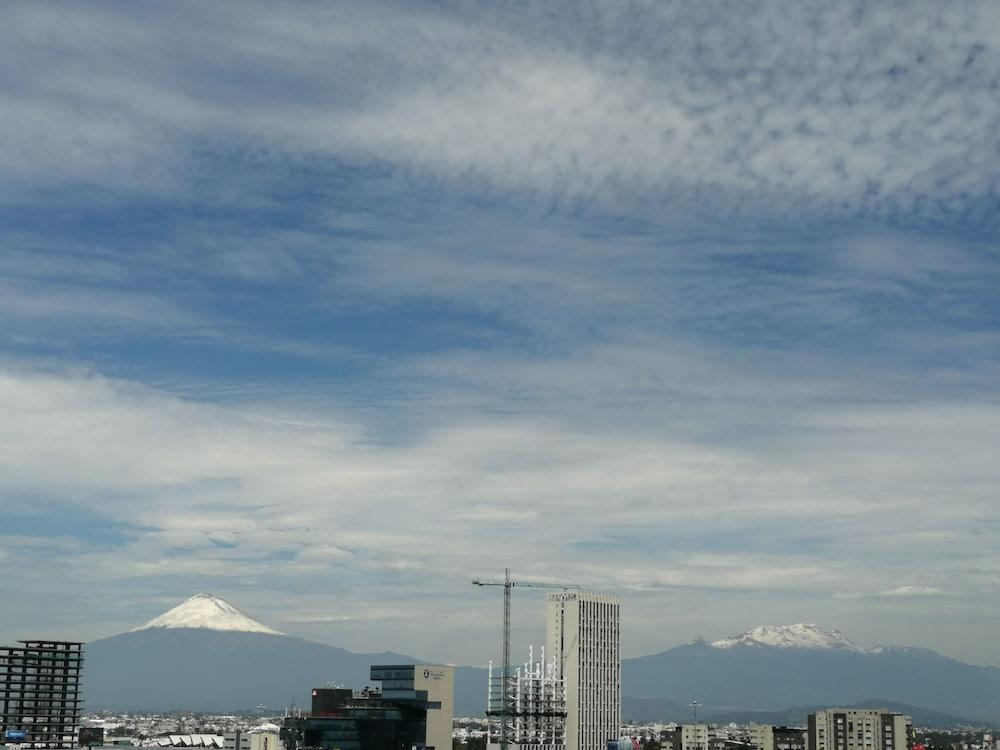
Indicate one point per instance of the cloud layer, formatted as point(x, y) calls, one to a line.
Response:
point(328, 308)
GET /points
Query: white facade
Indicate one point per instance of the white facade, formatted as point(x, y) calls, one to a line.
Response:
point(584, 637)
point(858, 729)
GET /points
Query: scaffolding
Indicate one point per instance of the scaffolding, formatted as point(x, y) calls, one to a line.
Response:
point(531, 703)
point(39, 693)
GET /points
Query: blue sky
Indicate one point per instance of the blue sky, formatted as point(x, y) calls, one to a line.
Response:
point(328, 308)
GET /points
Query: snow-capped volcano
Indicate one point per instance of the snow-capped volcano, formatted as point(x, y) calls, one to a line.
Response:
point(209, 613)
point(800, 635)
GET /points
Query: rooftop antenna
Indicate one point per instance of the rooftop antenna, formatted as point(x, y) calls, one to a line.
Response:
point(694, 710)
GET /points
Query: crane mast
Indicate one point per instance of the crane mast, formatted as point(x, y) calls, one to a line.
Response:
point(509, 583)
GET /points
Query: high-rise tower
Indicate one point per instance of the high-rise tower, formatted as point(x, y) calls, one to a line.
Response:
point(40, 693)
point(584, 636)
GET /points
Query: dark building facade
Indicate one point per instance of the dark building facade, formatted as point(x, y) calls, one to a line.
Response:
point(394, 717)
point(91, 736)
point(40, 693)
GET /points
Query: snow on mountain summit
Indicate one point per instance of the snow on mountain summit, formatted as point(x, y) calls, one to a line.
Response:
point(209, 613)
point(800, 635)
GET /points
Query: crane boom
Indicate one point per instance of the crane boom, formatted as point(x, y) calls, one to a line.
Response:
point(508, 583)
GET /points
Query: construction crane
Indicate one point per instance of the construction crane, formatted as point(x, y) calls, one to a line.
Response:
point(508, 583)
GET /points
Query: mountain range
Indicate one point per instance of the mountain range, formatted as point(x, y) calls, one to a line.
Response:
point(205, 654)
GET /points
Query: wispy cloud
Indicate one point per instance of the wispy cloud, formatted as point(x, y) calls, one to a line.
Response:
point(691, 301)
point(761, 112)
point(299, 501)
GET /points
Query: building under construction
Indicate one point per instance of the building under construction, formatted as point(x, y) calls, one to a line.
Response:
point(40, 693)
point(531, 703)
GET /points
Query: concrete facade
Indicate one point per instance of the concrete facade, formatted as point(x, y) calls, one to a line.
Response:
point(768, 737)
point(688, 737)
point(439, 682)
point(859, 729)
point(584, 636)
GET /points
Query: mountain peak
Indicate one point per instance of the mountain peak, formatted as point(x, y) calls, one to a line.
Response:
point(799, 635)
point(207, 612)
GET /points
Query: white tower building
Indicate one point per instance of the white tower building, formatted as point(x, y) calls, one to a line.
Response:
point(584, 637)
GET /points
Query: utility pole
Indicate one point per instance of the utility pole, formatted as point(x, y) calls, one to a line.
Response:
point(508, 583)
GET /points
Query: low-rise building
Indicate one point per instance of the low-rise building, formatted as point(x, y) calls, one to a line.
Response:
point(687, 737)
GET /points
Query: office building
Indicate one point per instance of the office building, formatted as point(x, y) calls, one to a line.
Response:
point(39, 693)
point(412, 709)
point(859, 729)
point(584, 637)
point(428, 683)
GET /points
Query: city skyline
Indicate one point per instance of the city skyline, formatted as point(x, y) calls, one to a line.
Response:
point(328, 308)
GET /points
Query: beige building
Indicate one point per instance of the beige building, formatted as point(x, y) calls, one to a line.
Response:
point(769, 737)
point(859, 729)
point(584, 637)
point(696, 736)
point(439, 682)
point(688, 737)
point(266, 741)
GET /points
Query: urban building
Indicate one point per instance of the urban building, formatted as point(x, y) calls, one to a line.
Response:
point(768, 737)
point(39, 693)
point(688, 737)
point(265, 741)
point(434, 685)
point(584, 637)
point(413, 708)
point(859, 729)
point(236, 741)
point(532, 703)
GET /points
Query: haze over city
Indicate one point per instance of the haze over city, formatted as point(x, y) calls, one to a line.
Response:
point(328, 308)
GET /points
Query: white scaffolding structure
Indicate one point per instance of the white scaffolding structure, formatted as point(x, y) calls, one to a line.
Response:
point(536, 706)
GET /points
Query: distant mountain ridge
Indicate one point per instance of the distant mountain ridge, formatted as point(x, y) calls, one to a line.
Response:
point(800, 635)
point(207, 655)
point(762, 677)
point(662, 709)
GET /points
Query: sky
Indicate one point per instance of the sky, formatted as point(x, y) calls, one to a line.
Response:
point(328, 308)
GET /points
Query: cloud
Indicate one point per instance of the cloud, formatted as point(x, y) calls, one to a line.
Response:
point(763, 113)
point(912, 591)
point(291, 502)
point(347, 301)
